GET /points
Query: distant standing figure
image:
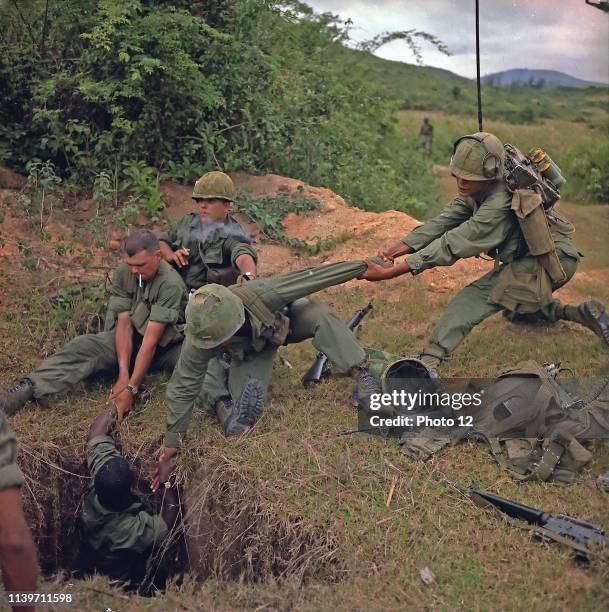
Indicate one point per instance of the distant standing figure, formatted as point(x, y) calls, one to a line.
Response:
point(426, 136)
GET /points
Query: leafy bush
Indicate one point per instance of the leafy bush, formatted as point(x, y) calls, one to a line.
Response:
point(186, 87)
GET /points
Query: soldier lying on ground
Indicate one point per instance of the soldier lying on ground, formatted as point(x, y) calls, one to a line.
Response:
point(481, 220)
point(119, 531)
point(246, 324)
point(18, 561)
point(210, 246)
point(143, 332)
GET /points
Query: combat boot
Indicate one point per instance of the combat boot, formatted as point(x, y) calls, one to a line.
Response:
point(592, 314)
point(431, 357)
point(246, 411)
point(14, 399)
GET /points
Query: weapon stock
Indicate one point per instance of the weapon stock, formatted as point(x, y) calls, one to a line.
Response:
point(318, 368)
point(574, 532)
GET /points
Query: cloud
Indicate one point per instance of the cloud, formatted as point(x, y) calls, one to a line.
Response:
point(569, 35)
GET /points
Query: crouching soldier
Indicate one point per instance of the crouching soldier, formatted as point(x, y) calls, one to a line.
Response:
point(143, 332)
point(18, 562)
point(246, 323)
point(484, 219)
point(119, 531)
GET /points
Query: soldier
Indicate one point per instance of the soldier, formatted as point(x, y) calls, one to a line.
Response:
point(210, 246)
point(119, 531)
point(426, 136)
point(18, 559)
point(480, 220)
point(246, 323)
point(143, 328)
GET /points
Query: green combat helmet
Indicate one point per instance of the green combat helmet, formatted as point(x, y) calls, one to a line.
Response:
point(478, 157)
point(214, 185)
point(213, 315)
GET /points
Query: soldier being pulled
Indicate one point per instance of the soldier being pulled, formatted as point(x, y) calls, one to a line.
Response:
point(143, 331)
point(245, 324)
point(119, 530)
point(481, 220)
point(209, 246)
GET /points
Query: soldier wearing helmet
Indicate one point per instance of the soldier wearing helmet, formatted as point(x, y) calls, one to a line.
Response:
point(246, 324)
point(209, 246)
point(481, 220)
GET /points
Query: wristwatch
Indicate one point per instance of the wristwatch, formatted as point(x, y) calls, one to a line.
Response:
point(133, 389)
point(248, 275)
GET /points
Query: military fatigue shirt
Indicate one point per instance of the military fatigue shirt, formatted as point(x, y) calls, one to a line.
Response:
point(10, 474)
point(212, 246)
point(275, 292)
point(466, 228)
point(134, 528)
point(161, 299)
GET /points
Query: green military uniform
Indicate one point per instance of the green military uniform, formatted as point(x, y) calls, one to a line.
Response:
point(253, 356)
point(162, 299)
point(10, 474)
point(112, 534)
point(426, 137)
point(466, 228)
point(214, 247)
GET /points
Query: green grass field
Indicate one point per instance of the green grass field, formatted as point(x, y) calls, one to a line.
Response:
point(311, 519)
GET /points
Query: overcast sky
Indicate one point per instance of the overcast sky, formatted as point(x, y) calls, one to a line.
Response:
point(564, 35)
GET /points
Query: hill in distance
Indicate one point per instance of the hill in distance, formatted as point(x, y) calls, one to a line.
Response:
point(536, 78)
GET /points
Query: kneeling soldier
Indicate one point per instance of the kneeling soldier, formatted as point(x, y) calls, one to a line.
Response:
point(245, 324)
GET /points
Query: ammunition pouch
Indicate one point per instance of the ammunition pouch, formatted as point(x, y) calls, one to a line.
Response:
point(532, 217)
point(225, 276)
point(522, 292)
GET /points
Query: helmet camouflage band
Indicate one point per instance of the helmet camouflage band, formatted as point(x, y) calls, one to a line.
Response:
point(213, 315)
point(478, 157)
point(214, 185)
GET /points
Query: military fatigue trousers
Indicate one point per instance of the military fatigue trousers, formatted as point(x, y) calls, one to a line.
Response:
point(471, 305)
point(87, 355)
point(309, 318)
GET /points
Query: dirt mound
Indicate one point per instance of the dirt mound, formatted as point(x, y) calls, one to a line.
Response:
point(355, 232)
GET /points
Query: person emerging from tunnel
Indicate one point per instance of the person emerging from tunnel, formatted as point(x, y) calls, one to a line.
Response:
point(483, 219)
point(119, 532)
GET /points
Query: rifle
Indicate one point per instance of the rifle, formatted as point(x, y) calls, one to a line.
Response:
point(561, 528)
point(318, 369)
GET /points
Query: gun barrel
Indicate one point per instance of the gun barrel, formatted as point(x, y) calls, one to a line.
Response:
point(359, 315)
point(513, 509)
point(315, 372)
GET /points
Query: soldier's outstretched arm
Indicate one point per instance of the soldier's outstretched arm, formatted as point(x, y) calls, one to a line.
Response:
point(183, 389)
point(18, 558)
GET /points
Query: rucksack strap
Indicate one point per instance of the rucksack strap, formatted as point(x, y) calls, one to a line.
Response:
point(254, 304)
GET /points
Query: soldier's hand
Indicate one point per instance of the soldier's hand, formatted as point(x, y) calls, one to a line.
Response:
point(390, 251)
point(164, 467)
point(123, 402)
point(376, 272)
point(180, 257)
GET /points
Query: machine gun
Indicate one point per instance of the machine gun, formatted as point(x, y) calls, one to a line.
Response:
point(318, 369)
point(567, 530)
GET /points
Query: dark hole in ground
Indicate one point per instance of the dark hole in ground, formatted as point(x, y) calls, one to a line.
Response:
point(231, 533)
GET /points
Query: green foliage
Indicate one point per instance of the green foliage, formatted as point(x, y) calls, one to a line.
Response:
point(270, 212)
point(186, 87)
point(143, 184)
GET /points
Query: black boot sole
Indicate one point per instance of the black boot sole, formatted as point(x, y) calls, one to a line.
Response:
point(598, 319)
point(247, 409)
